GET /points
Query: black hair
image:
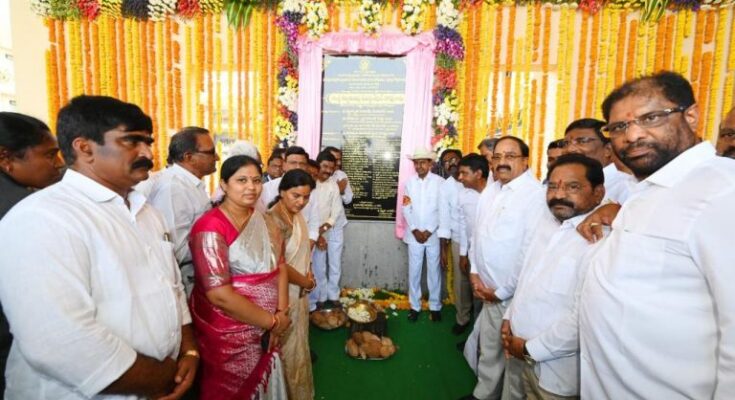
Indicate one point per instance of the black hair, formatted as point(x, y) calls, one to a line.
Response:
point(234, 163)
point(555, 144)
point(524, 147)
point(313, 163)
point(291, 179)
point(589, 123)
point(325, 155)
point(332, 149)
point(296, 150)
point(278, 152)
point(91, 117)
point(19, 132)
point(182, 142)
point(274, 156)
point(476, 162)
point(593, 168)
point(448, 151)
point(489, 143)
point(672, 86)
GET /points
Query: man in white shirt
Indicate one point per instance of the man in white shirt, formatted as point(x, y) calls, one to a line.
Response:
point(295, 158)
point(507, 213)
point(540, 326)
point(584, 136)
point(89, 283)
point(179, 193)
point(340, 177)
point(726, 137)
point(421, 211)
point(449, 235)
point(657, 306)
point(327, 257)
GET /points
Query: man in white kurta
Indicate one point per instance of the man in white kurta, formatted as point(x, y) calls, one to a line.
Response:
point(657, 307)
point(584, 136)
point(179, 193)
point(542, 316)
point(421, 211)
point(89, 281)
point(507, 213)
point(449, 236)
point(326, 262)
point(340, 177)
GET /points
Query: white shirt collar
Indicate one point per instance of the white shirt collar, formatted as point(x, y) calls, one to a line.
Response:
point(101, 194)
point(676, 169)
point(519, 181)
point(186, 175)
point(574, 221)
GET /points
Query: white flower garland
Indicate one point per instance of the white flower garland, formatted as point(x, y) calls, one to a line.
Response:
point(316, 17)
point(447, 14)
point(371, 16)
point(411, 16)
point(159, 9)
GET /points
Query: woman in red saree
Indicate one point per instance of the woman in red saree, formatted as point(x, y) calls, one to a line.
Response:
point(240, 298)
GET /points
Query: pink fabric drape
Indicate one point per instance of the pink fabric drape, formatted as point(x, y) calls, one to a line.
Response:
point(419, 52)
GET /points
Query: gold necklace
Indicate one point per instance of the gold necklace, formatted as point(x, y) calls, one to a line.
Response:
point(231, 216)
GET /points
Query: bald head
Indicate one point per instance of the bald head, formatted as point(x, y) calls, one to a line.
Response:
point(726, 138)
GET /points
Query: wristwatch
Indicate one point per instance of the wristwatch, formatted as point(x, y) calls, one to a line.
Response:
point(526, 356)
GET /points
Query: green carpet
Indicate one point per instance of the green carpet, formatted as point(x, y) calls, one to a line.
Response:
point(427, 365)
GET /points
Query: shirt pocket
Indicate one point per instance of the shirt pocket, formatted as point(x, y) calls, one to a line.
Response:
point(506, 228)
point(640, 260)
point(563, 277)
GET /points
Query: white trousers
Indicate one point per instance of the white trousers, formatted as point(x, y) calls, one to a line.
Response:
point(327, 267)
point(416, 252)
point(497, 378)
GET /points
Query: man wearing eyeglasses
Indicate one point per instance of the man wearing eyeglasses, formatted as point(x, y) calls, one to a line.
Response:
point(584, 136)
point(179, 193)
point(726, 138)
point(507, 213)
point(540, 326)
point(657, 309)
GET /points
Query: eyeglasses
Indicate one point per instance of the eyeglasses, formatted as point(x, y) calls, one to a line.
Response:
point(648, 120)
point(210, 152)
point(569, 188)
point(727, 134)
point(509, 157)
point(580, 141)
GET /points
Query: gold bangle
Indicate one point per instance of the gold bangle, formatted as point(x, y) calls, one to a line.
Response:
point(274, 322)
point(191, 353)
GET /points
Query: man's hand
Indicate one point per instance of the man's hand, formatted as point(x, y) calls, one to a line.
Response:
point(443, 256)
point(321, 243)
point(505, 335)
point(418, 235)
point(464, 264)
point(591, 227)
point(325, 227)
point(427, 235)
point(516, 346)
point(342, 184)
point(187, 370)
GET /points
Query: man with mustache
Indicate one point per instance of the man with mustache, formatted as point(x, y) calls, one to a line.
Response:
point(179, 193)
point(584, 136)
point(449, 229)
point(540, 325)
point(326, 260)
point(507, 213)
point(89, 281)
point(726, 138)
point(421, 211)
point(657, 307)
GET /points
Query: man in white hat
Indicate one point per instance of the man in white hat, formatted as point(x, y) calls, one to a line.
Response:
point(421, 211)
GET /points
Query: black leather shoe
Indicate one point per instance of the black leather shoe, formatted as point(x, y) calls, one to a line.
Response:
point(413, 315)
point(436, 316)
point(458, 329)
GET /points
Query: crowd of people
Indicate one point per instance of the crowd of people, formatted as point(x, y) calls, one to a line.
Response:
point(608, 279)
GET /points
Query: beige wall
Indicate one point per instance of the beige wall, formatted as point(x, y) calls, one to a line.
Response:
point(29, 40)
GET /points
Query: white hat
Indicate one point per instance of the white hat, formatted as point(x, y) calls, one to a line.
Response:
point(421, 153)
point(244, 148)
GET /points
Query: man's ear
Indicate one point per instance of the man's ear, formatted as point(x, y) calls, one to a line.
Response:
point(6, 160)
point(83, 149)
point(599, 193)
point(691, 115)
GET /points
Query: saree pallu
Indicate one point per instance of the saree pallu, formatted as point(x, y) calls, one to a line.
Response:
point(234, 364)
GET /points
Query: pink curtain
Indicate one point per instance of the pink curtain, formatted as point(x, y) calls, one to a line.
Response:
point(419, 52)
